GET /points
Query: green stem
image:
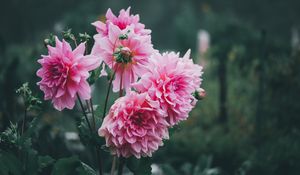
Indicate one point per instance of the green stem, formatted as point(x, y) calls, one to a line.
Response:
point(113, 167)
point(84, 113)
point(121, 165)
point(121, 82)
point(88, 106)
point(24, 121)
point(93, 114)
point(98, 154)
point(107, 94)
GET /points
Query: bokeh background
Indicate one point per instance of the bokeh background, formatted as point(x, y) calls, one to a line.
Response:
point(248, 123)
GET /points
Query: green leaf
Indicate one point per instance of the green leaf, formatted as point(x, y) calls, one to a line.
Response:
point(84, 169)
point(139, 166)
point(9, 164)
point(86, 136)
point(31, 162)
point(72, 166)
point(45, 161)
point(66, 166)
point(95, 74)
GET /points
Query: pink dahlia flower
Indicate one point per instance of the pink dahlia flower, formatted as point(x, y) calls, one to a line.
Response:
point(64, 73)
point(125, 52)
point(122, 21)
point(171, 80)
point(134, 126)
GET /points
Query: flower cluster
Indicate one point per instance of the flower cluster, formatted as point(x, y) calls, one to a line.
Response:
point(160, 88)
point(138, 122)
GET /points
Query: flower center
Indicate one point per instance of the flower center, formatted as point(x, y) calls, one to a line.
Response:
point(123, 55)
point(137, 119)
point(56, 70)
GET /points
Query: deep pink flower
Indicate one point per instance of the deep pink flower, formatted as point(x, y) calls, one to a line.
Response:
point(122, 21)
point(171, 80)
point(135, 125)
point(64, 73)
point(125, 52)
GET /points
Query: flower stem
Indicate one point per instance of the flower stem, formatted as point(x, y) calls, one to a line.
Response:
point(121, 165)
point(88, 106)
point(94, 126)
point(24, 121)
point(121, 82)
point(84, 113)
point(113, 167)
point(98, 154)
point(93, 114)
point(107, 94)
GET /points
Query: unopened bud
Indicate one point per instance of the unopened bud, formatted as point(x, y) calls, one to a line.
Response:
point(68, 35)
point(200, 94)
point(123, 55)
point(124, 36)
point(49, 41)
point(84, 37)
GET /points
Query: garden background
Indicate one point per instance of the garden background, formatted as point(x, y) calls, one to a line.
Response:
point(249, 121)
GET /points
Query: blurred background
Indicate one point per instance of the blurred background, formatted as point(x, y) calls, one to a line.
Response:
point(248, 123)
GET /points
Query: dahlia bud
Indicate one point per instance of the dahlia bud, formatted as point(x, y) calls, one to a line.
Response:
point(68, 35)
point(84, 37)
point(123, 55)
point(200, 94)
point(50, 41)
point(124, 36)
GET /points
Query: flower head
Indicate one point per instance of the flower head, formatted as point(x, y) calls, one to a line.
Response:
point(171, 80)
point(122, 21)
point(64, 74)
point(135, 125)
point(125, 52)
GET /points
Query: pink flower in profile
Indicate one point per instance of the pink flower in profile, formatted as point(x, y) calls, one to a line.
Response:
point(124, 52)
point(122, 21)
point(171, 80)
point(135, 125)
point(64, 73)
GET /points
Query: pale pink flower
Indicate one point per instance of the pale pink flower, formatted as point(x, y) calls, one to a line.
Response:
point(122, 21)
point(135, 125)
point(171, 80)
point(64, 73)
point(124, 52)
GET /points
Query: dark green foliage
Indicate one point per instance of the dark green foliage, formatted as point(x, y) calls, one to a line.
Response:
point(139, 166)
point(72, 166)
point(17, 155)
point(30, 101)
point(86, 136)
point(94, 75)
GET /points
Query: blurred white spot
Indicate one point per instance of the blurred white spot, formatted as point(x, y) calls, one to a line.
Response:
point(203, 41)
point(72, 136)
point(156, 170)
point(58, 27)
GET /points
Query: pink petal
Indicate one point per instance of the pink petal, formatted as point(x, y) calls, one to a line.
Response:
point(79, 51)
